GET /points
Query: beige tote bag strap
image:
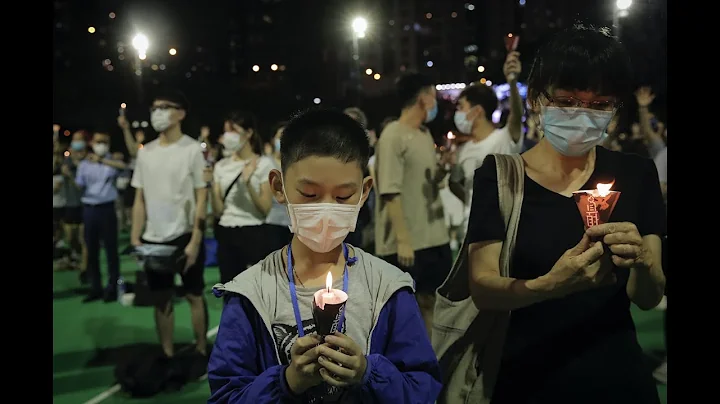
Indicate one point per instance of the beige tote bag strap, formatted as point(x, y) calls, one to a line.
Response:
point(511, 181)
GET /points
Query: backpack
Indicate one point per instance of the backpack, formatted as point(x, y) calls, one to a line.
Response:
point(148, 372)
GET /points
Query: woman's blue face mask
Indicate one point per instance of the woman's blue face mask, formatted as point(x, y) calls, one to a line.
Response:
point(574, 131)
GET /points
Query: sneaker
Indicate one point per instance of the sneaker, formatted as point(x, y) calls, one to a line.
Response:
point(110, 295)
point(93, 296)
point(83, 277)
point(660, 374)
point(198, 366)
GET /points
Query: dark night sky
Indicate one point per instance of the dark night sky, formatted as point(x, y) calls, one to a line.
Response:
point(303, 36)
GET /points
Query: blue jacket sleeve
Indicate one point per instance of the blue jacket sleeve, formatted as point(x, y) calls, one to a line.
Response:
point(407, 371)
point(235, 368)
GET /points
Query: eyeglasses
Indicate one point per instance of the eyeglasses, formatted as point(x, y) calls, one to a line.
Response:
point(572, 102)
point(163, 107)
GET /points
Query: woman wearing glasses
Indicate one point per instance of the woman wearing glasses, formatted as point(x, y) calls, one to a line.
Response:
point(571, 337)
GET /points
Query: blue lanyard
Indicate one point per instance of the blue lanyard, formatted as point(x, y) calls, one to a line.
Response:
point(293, 293)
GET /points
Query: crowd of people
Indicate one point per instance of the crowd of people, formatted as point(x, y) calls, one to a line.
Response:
point(384, 212)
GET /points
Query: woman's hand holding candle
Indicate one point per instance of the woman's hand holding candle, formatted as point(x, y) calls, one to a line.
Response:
point(344, 367)
point(624, 242)
point(580, 268)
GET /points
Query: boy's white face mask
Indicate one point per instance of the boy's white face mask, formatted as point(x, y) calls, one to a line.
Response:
point(322, 226)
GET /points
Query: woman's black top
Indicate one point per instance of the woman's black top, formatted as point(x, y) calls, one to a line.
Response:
point(581, 348)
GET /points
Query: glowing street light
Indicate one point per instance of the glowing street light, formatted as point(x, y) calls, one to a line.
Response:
point(359, 26)
point(273, 67)
point(481, 69)
point(368, 71)
point(141, 44)
point(172, 51)
point(621, 10)
point(256, 68)
point(623, 4)
point(91, 30)
point(377, 76)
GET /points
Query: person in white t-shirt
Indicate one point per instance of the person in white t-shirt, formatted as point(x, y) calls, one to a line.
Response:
point(474, 117)
point(241, 198)
point(170, 204)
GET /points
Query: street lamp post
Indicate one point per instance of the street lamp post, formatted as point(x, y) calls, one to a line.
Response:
point(620, 10)
point(140, 43)
point(359, 27)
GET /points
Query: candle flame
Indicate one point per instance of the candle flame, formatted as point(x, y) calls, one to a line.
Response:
point(450, 135)
point(604, 189)
point(328, 282)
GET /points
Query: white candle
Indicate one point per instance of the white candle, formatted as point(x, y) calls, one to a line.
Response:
point(328, 295)
point(449, 142)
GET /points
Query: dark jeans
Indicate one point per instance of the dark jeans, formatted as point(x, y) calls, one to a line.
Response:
point(430, 269)
point(101, 224)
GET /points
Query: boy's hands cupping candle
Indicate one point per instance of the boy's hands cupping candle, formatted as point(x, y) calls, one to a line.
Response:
point(343, 363)
point(302, 373)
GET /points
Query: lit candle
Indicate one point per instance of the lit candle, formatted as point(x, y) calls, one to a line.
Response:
point(328, 295)
point(596, 205)
point(328, 307)
point(449, 142)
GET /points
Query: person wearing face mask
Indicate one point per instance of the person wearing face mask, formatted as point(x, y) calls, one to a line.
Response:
point(133, 143)
point(224, 152)
point(170, 209)
point(277, 222)
point(241, 197)
point(364, 218)
point(73, 212)
point(277, 135)
point(96, 176)
point(570, 287)
point(59, 200)
point(473, 116)
point(267, 348)
point(410, 229)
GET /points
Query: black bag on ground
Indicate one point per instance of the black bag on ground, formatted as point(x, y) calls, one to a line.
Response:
point(146, 374)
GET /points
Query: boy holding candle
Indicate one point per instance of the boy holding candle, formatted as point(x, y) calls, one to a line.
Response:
point(267, 349)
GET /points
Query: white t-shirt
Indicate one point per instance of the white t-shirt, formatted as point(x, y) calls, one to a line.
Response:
point(240, 210)
point(168, 176)
point(471, 155)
